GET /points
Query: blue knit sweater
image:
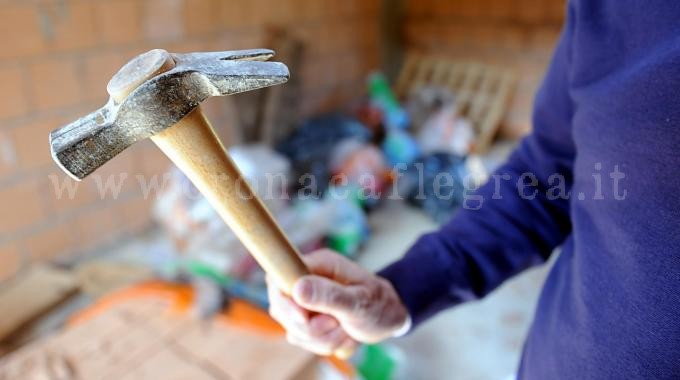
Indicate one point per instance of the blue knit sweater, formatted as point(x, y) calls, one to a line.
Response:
point(599, 176)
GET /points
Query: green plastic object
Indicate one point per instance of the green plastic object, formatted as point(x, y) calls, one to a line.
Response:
point(382, 96)
point(379, 90)
point(204, 270)
point(376, 363)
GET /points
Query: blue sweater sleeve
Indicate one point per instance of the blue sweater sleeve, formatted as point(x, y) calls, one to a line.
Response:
point(506, 231)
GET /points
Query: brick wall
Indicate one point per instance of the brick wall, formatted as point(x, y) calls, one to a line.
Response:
point(517, 33)
point(56, 58)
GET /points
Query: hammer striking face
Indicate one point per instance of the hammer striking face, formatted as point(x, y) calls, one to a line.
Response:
point(158, 102)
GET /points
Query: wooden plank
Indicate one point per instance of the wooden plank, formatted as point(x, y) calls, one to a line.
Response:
point(484, 95)
point(465, 93)
point(406, 74)
point(32, 294)
point(489, 126)
point(456, 74)
point(440, 72)
point(422, 74)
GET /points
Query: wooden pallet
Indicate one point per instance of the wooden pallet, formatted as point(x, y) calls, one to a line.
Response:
point(482, 91)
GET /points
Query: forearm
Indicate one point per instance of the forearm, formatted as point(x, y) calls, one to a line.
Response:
point(514, 221)
point(506, 226)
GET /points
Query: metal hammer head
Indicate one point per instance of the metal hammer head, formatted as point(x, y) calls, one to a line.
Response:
point(153, 92)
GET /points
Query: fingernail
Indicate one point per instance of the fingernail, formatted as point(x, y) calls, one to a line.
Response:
point(346, 351)
point(304, 290)
point(323, 323)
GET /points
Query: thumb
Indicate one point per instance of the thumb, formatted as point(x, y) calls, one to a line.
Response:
point(326, 296)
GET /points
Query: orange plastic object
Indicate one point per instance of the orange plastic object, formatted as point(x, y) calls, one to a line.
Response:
point(245, 315)
point(179, 297)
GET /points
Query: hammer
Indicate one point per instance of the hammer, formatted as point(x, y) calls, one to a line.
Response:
point(157, 95)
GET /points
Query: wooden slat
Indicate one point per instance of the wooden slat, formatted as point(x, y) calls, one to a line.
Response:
point(422, 73)
point(483, 95)
point(471, 78)
point(456, 75)
point(32, 294)
point(489, 126)
point(440, 72)
point(406, 74)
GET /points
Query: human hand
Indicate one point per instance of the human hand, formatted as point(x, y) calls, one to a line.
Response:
point(336, 306)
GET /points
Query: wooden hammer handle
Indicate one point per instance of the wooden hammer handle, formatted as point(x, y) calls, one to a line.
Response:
point(193, 146)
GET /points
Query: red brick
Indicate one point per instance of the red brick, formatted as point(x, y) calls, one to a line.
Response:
point(21, 206)
point(62, 203)
point(470, 9)
point(309, 10)
point(8, 155)
point(68, 25)
point(53, 242)
point(500, 9)
point(214, 108)
point(482, 37)
point(12, 92)
point(311, 76)
point(201, 17)
point(281, 13)
point(445, 9)
point(119, 21)
point(136, 214)
point(555, 11)
point(10, 261)
point(97, 227)
point(512, 38)
point(529, 11)
point(221, 111)
point(21, 31)
point(150, 161)
point(414, 7)
point(55, 83)
point(99, 68)
point(163, 20)
point(236, 40)
point(347, 8)
point(31, 142)
point(544, 39)
point(188, 46)
point(372, 7)
point(120, 170)
point(238, 15)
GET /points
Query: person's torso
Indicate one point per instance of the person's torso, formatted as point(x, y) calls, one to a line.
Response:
point(611, 305)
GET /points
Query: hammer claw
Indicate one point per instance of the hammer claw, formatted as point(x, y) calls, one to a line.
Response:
point(231, 77)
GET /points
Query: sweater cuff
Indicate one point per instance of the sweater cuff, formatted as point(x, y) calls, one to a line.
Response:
point(428, 278)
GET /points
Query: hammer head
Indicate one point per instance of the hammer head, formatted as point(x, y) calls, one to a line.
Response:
point(153, 92)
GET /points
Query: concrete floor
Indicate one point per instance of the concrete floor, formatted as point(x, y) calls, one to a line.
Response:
point(479, 340)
